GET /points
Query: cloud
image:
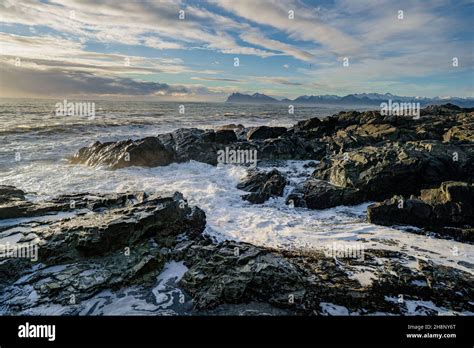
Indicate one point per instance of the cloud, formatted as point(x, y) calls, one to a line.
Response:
point(160, 44)
point(129, 22)
point(43, 52)
point(214, 79)
point(277, 80)
point(110, 44)
point(307, 24)
point(258, 39)
point(56, 82)
point(152, 24)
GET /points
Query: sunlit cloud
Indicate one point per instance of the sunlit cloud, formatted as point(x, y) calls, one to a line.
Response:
point(293, 47)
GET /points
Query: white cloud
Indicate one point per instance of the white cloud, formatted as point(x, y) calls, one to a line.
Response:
point(381, 48)
point(44, 52)
point(256, 38)
point(307, 24)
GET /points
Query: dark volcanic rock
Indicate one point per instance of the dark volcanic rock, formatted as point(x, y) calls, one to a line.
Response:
point(310, 139)
point(71, 283)
point(100, 233)
point(312, 123)
point(264, 132)
point(10, 193)
point(290, 147)
point(262, 185)
point(448, 209)
point(23, 208)
point(374, 157)
point(103, 224)
point(237, 272)
point(179, 146)
point(112, 242)
point(107, 241)
point(192, 144)
point(147, 152)
point(225, 136)
point(379, 172)
point(90, 243)
point(13, 207)
point(354, 129)
point(318, 194)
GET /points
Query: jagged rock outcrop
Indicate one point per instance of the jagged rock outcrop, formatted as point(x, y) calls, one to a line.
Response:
point(378, 172)
point(98, 226)
point(262, 185)
point(147, 152)
point(374, 173)
point(265, 132)
point(10, 193)
point(319, 194)
point(448, 210)
point(89, 243)
point(199, 145)
point(109, 242)
point(238, 273)
point(192, 144)
point(302, 282)
point(312, 139)
point(348, 130)
point(225, 136)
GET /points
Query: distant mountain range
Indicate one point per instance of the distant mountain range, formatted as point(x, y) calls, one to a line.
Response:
point(361, 99)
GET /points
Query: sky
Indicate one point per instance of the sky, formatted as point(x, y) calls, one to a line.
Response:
point(189, 50)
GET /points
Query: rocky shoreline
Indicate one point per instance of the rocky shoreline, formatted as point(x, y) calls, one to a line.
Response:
point(418, 171)
point(121, 240)
point(363, 156)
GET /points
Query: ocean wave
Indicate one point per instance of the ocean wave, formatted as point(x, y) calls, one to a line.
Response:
point(74, 128)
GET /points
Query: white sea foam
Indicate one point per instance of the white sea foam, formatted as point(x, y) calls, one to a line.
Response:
point(165, 298)
point(229, 217)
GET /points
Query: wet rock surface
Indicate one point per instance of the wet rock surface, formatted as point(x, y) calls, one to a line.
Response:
point(262, 185)
point(10, 193)
point(371, 157)
point(199, 145)
point(148, 152)
point(125, 243)
point(264, 132)
point(105, 241)
point(448, 210)
point(395, 168)
point(320, 194)
point(364, 155)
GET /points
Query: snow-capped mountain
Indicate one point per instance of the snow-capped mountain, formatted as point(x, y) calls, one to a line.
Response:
point(350, 99)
